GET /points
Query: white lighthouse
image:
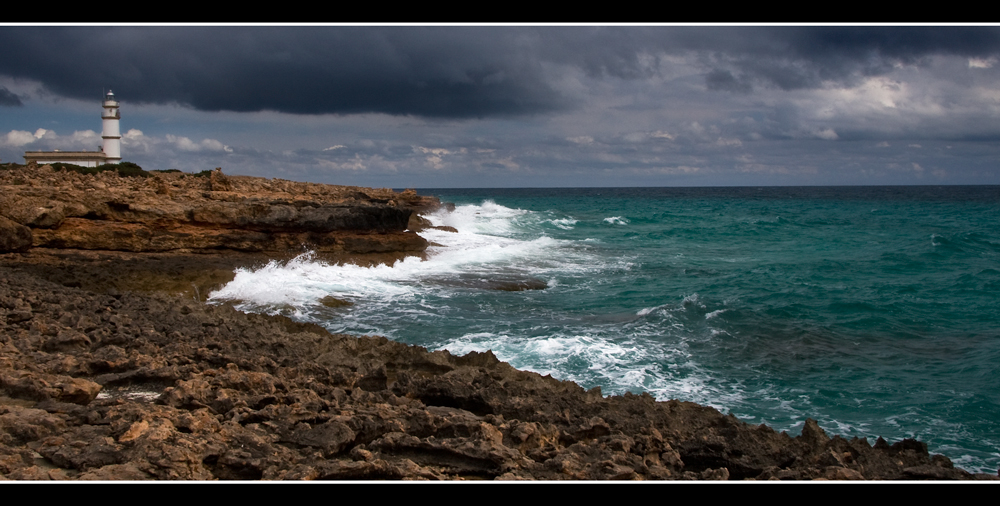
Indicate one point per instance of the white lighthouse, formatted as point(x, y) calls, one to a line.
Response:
point(112, 135)
point(111, 151)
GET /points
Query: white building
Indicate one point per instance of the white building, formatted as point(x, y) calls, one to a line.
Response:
point(111, 152)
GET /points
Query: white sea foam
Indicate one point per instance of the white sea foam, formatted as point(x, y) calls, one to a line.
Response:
point(666, 371)
point(487, 218)
point(969, 462)
point(563, 223)
point(692, 301)
point(616, 220)
point(647, 310)
point(482, 247)
point(546, 355)
point(713, 314)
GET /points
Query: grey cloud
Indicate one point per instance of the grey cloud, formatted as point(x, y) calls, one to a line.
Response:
point(433, 72)
point(792, 58)
point(723, 80)
point(9, 99)
point(445, 72)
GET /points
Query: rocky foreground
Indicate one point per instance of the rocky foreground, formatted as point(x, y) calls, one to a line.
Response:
point(106, 373)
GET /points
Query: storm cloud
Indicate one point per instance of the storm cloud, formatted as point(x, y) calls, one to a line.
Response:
point(528, 105)
point(9, 99)
point(431, 72)
point(450, 72)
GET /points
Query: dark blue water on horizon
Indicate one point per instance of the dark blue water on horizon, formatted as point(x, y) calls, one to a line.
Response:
point(871, 309)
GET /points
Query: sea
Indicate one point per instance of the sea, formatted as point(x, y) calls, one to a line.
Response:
point(873, 310)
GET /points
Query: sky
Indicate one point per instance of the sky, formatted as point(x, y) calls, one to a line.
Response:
point(519, 106)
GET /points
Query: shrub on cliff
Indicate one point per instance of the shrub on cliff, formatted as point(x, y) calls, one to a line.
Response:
point(124, 169)
point(70, 167)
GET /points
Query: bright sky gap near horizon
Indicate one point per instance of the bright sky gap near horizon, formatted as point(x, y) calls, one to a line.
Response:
point(519, 106)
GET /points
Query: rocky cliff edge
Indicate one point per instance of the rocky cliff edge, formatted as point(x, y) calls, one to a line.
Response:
point(44, 208)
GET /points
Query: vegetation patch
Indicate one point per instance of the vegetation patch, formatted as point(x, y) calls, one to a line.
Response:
point(124, 169)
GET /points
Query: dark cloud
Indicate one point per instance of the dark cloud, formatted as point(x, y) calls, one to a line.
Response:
point(9, 99)
point(906, 44)
point(432, 72)
point(447, 72)
point(724, 80)
point(792, 58)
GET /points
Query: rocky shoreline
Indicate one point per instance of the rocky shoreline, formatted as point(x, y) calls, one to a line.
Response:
point(112, 367)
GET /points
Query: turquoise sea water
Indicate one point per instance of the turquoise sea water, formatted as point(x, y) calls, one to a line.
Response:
point(874, 310)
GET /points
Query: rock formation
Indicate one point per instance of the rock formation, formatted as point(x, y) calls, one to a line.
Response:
point(184, 212)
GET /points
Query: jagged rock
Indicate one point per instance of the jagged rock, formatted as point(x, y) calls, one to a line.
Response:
point(173, 212)
point(219, 182)
point(40, 386)
point(332, 436)
point(14, 236)
point(22, 425)
point(813, 436)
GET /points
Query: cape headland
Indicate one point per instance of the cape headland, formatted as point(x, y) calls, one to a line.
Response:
point(112, 367)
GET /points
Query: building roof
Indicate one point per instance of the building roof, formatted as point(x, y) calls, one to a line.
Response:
point(65, 156)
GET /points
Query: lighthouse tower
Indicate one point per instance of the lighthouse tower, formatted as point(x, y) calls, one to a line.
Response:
point(112, 135)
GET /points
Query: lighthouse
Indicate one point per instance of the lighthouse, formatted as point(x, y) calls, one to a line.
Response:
point(111, 151)
point(111, 134)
